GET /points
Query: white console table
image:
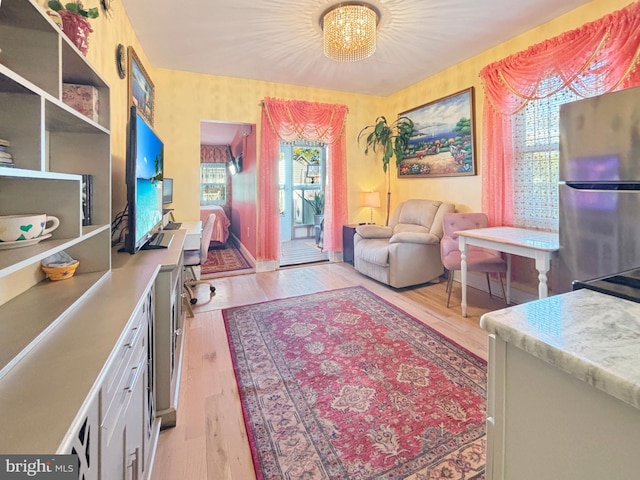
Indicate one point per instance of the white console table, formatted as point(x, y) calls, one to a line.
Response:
point(541, 246)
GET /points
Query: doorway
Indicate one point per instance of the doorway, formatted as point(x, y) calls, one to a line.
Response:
point(301, 183)
point(227, 188)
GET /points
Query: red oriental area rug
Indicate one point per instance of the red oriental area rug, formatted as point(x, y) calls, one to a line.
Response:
point(224, 259)
point(342, 384)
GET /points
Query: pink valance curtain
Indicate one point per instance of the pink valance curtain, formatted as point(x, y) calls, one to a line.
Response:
point(288, 120)
point(214, 154)
point(607, 49)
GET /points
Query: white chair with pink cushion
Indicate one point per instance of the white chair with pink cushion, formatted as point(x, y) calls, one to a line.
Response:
point(478, 259)
point(195, 258)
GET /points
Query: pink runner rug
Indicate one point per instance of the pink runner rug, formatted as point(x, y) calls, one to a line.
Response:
point(342, 384)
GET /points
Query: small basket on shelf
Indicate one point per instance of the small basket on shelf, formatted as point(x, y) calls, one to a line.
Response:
point(59, 266)
point(62, 272)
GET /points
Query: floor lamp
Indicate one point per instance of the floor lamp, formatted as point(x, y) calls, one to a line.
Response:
point(371, 200)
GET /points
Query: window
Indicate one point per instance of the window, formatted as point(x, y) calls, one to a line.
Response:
point(536, 136)
point(213, 184)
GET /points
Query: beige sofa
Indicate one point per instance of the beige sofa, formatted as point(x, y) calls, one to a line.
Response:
point(407, 252)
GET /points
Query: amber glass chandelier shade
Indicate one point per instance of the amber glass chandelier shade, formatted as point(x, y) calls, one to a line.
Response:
point(349, 31)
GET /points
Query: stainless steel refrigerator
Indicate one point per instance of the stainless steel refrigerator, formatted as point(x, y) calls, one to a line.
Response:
point(599, 187)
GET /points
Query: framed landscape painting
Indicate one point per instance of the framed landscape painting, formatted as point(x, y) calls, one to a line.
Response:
point(141, 92)
point(443, 139)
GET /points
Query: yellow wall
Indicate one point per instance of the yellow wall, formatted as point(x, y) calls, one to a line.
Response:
point(184, 99)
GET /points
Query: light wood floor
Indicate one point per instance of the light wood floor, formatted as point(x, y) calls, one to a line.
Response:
point(209, 441)
point(299, 251)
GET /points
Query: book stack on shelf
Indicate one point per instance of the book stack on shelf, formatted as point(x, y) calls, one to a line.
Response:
point(6, 159)
point(87, 200)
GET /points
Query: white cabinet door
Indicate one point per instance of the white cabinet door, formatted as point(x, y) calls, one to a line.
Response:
point(125, 403)
point(547, 424)
point(135, 428)
point(84, 442)
point(122, 452)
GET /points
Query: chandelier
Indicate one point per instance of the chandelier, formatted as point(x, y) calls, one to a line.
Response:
point(349, 31)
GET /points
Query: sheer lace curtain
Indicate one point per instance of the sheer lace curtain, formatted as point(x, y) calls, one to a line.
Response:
point(288, 120)
point(608, 48)
point(218, 154)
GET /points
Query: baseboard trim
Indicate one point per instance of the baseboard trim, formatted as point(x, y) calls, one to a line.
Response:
point(267, 265)
point(245, 253)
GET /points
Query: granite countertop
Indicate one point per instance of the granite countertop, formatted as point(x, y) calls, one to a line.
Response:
point(590, 335)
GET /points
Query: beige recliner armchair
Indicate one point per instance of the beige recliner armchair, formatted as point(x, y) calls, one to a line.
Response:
point(407, 252)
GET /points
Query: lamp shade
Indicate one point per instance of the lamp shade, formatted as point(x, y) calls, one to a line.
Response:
point(349, 31)
point(371, 199)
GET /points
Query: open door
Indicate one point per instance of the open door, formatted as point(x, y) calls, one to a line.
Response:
point(302, 173)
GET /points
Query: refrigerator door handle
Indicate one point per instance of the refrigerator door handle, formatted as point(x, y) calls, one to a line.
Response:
point(603, 186)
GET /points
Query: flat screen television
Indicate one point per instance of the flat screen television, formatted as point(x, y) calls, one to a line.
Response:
point(235, 165)
point(144, 163)
point(167, 190)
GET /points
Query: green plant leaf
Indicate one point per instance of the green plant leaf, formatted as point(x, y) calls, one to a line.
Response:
point(316, 204)
point(93, 12)
point(73, 7)
point(55, 5)
point(393, 138)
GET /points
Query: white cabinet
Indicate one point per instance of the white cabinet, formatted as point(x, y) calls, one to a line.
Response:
point(168, 320)
point(168, 340)
point(84, 441)
point(543, 423)
point(125, 406)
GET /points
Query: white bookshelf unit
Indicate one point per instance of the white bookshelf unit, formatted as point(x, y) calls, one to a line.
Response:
point(77, 356)
point(52, 145)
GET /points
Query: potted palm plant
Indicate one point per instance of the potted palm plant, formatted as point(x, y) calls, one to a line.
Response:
point(391, 139)
point(317, 206)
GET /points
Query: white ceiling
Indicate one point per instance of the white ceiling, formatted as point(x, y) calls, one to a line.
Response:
point(281, 40)
point(220, 133)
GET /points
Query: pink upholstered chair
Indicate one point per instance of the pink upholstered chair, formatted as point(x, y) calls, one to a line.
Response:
point(478, 259)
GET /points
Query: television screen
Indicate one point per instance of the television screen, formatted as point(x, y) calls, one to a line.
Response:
point(145, 154)
point(167, 190)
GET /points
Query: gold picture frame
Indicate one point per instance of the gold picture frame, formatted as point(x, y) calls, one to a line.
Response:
point(141, 90)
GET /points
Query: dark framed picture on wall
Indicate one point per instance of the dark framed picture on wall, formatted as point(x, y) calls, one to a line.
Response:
point(443, 140)
point(141, 92)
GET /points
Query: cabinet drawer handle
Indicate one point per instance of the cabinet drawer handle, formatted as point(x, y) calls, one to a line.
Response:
point(132, 337)
point(177, 332)
point(135, 373)
point(134, 463)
